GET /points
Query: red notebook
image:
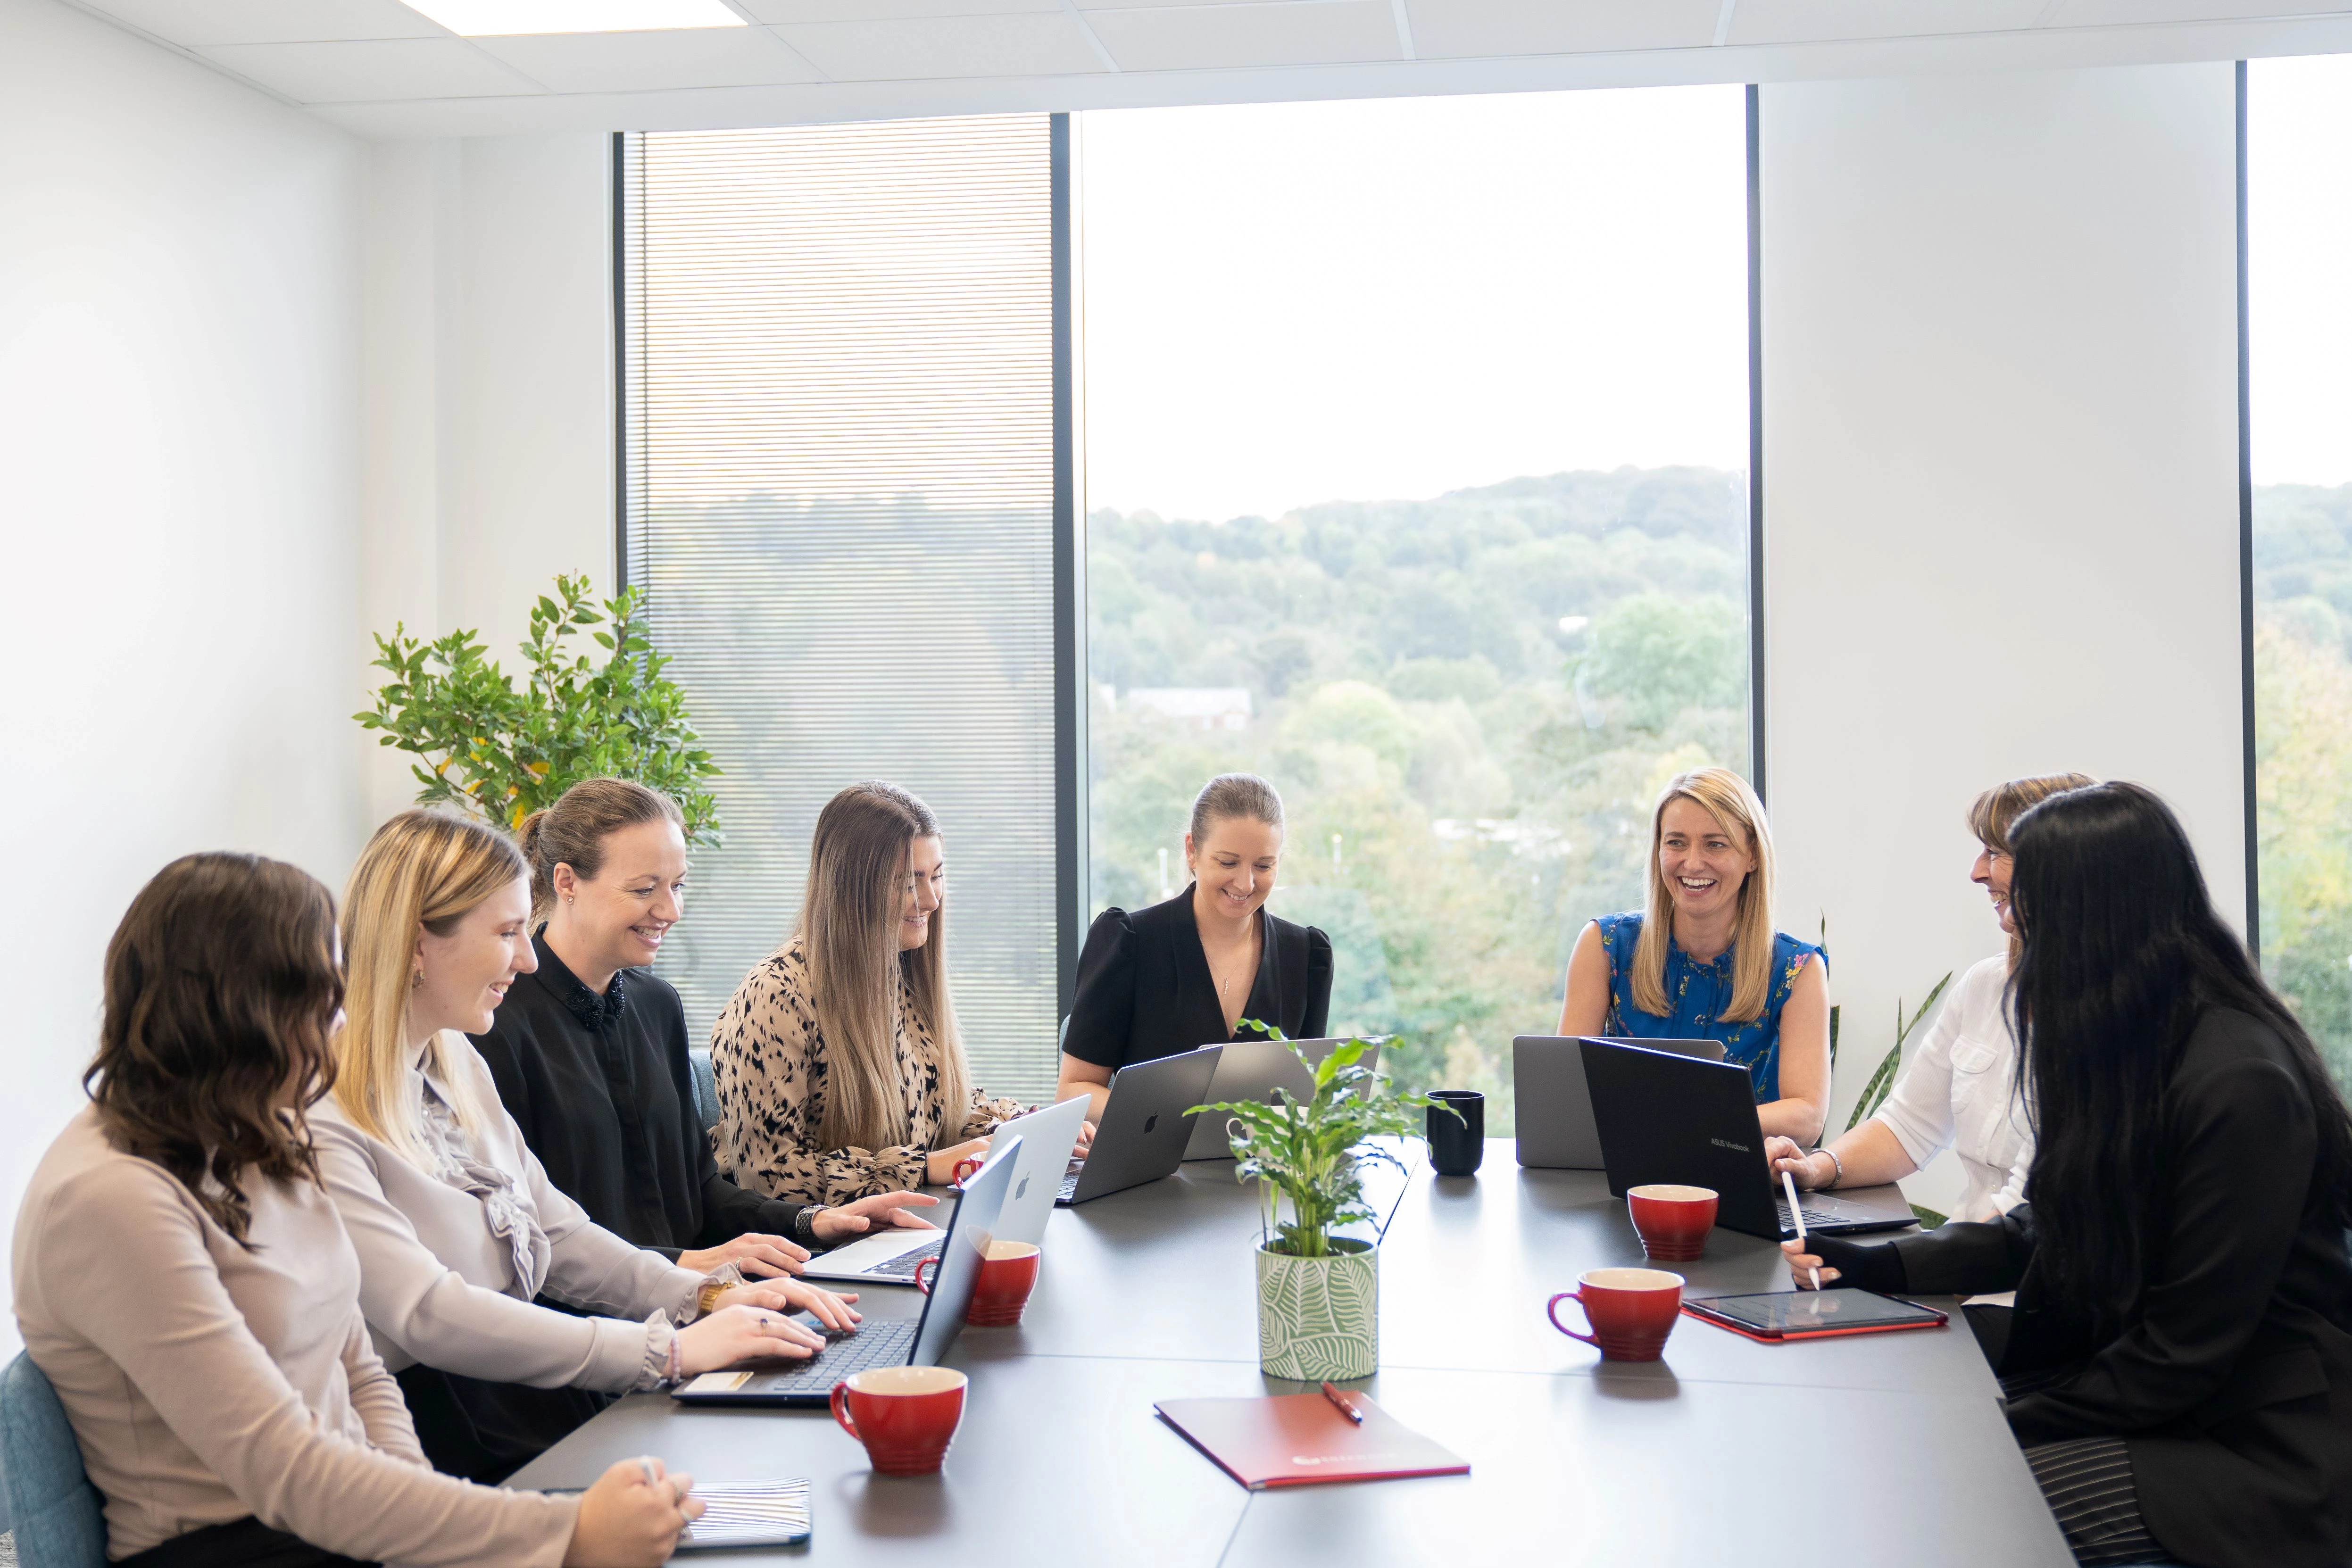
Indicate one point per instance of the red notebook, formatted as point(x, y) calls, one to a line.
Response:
point(1295, 1439)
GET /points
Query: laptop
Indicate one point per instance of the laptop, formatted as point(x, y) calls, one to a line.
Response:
point(1668, 1118)
point(1554, 1109)
point(891, 1256)
point(897, 1341)
point(1254, 1069)
point(1146, 1124)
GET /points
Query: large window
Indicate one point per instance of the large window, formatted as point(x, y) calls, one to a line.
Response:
point(837, 356)
point(1416, 440)
point(2299, 233)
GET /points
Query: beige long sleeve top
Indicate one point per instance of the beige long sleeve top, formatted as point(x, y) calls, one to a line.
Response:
point(451, 1257)
point(207, 1381)
point(768, 1061)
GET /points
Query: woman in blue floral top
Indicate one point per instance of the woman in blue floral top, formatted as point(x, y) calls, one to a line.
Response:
point(1703, 961)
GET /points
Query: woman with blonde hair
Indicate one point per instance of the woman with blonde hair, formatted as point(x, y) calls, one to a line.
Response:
point(188, 1288)
point(839, 1066)
point(1958, 1090)
point(1703, 960)
point(457, 1227)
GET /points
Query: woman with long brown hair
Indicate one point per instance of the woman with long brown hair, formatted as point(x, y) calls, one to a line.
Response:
point(186, 1285)
point(1703, 961)
point(458, 1229)
point(839, 1066)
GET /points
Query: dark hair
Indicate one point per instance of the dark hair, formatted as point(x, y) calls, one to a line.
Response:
point(2122, 954)
point(221, 986)
point(1228, 795)
point(572, 831)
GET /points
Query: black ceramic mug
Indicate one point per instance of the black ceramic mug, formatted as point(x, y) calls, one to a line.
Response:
point(1457, 1145)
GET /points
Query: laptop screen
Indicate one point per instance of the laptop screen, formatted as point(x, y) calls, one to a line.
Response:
point(970, 1231)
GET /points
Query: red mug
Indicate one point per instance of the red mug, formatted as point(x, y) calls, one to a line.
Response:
point(1632, 1311)
point(967, 1165)
point(1672, 1221)
point(905, 1416)
point(1007, 1274)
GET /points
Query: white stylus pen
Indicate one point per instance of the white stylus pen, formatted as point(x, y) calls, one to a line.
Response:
point(1797, 1217)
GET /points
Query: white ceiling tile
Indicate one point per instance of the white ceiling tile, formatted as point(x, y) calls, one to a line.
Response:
point(1457, 29)
point(651, 62)
point(1808, 21)
point(381, 71)
point(2113, 12)
point(931, 48)
point(194, 23)
point(883, 10)
point(1207, 37)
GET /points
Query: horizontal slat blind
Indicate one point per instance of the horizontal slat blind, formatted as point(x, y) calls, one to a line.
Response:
point(838, 362)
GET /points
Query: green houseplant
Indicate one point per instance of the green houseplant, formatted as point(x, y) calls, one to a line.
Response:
point(503, 753)
point(1319, 1294)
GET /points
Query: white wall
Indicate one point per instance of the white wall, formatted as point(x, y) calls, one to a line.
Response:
point(178, 425)
point(2001, 487)
point(488, 425)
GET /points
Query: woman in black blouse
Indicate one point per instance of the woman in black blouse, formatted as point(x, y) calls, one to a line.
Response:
point(2179, 1365)
point(589, 1051)
point(1184, 974)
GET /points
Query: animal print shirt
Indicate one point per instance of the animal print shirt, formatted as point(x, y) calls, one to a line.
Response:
point(768, 1059)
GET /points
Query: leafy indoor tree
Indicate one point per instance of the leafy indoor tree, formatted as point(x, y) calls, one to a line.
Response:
point(503, 753)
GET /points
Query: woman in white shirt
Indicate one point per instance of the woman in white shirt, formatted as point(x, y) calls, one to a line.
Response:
point(455, 1225)
point(1958, 1092)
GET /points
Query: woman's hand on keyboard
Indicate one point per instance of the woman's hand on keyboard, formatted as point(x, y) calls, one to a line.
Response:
point(879, 1212)
point(738, 1333)
point(755, 1256)
point(793, 1295)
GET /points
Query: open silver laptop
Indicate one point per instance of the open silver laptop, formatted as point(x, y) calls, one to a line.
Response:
point(1554, 1107)
point(1254, 1069)
point(1045, 1138)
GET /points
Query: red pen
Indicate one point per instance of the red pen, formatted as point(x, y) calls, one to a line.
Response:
point(1347, 1406)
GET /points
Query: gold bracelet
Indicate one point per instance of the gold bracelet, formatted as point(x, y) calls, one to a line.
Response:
point(706, 1300)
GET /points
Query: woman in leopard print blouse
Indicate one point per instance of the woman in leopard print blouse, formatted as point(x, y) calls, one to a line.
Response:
point(839, 1068)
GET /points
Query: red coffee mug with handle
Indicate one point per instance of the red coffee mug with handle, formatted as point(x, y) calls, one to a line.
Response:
point(967, 1165)
point(1008, 1273)
point(1632, 1311)
point(1672, 1221)
point(905, 1416)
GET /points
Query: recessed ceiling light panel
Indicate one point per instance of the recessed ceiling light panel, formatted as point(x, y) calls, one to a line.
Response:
point(489, 18)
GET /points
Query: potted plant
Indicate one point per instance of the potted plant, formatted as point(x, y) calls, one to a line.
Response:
point(1319, 1294)
point(504, 753)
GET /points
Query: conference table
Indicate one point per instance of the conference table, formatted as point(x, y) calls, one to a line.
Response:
point(1883, 1447)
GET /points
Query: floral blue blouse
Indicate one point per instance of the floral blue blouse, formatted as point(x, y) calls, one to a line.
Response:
point(1699, 992)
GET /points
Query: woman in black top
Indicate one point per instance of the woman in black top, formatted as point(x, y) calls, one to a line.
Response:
point(2179, 1365)
point(589, 1051)
point(1184, 974)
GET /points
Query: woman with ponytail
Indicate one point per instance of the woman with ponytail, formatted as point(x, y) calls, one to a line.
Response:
point(458, 1229)
point(2179, 1366)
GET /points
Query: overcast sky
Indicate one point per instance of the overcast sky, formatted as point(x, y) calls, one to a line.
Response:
point(2299, 268)
point(1292, 303)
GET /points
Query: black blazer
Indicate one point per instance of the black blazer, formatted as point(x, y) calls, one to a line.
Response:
point(2232, 1382)
point(1144, 990)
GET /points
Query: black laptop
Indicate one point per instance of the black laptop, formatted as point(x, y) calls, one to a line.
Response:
point(897, 1341)
point(1668, 1118)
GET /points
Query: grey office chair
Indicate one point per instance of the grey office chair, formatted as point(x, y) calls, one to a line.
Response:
point(59, 1521)
point(706, 1087)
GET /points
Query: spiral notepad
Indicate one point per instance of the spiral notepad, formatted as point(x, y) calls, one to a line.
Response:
point(749, 1513)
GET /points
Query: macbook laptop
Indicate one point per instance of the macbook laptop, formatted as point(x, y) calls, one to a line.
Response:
point(891, 1256)
point(1554, 1109)
point(1668, 1118)
point(897, 1341)
point(1254, 1069)
point(1145, 1124)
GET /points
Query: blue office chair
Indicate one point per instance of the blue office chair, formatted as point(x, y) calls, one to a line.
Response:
point(706, 1087)
point(58, 1518)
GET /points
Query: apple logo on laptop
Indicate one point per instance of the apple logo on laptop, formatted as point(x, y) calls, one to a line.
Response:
point(1020, 1191)
point(1151, 1120)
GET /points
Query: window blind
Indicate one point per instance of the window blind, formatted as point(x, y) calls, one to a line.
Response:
point(838, 377)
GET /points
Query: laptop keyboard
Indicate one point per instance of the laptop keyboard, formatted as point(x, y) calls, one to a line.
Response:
point(904, 1265)
point(846, 1351)
point(1812, 1215)
point(1070, 1181)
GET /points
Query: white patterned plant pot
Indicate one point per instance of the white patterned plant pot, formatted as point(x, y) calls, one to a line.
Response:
point(1319, 1318)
